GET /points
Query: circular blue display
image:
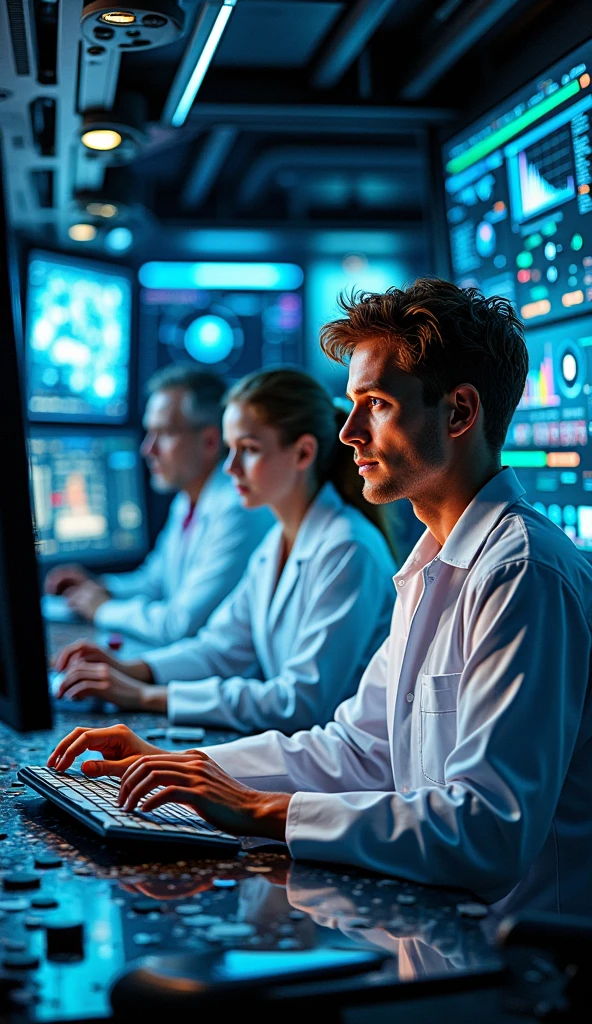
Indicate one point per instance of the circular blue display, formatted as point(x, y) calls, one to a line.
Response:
point(209, 339)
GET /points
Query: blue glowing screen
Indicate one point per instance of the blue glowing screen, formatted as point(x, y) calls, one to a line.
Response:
point(78, 334)
point(88, 494)
point(518, 193)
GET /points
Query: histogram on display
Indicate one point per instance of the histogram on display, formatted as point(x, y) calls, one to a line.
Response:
point(540, 385)
point(545, 178)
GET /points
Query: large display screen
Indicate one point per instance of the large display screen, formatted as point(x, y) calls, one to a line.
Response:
point(550, 438)
point(87, 495)
point(518, 195)
point(78, 332)
point(230, 318)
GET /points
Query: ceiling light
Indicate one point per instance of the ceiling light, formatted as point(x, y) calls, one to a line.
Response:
point(102, 139)
point(82, 232)
point(101, 209)
point(118, 17)
point(117, 134)
point(155, 23)
point(203, 61)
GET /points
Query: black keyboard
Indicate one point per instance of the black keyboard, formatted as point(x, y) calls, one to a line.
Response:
point(94, 803)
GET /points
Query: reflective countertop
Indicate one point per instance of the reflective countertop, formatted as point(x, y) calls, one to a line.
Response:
point(125, 905)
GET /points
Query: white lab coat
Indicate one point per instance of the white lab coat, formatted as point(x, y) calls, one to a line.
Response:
point(285, 656)
point(190, 571)
point(465, 758)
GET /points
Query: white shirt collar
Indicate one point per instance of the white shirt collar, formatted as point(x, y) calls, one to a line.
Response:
point(472, 529)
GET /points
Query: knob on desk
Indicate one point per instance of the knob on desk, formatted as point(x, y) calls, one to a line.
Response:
point(65, 939)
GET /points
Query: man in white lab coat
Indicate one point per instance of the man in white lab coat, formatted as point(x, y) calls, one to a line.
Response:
point(465, 758)
point(203, 549)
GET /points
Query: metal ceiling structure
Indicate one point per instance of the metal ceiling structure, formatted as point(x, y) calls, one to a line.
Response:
point(311, 110)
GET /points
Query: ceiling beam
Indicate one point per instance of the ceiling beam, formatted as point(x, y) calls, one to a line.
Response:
point(264, 169)
point(208, 165)
point(346, 44)
point(465, 30)
point(319, 118)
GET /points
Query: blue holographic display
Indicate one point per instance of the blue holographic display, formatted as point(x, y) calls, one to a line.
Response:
point(78, 333)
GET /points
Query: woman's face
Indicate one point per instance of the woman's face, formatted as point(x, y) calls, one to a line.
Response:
point(265, 471)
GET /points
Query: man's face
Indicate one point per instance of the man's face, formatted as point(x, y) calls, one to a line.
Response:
point(175, 449)
point(399, 442)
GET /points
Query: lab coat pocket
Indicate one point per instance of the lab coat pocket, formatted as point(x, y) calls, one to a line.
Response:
point(437, 736)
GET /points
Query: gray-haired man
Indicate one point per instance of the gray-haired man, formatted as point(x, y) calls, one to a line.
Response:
point(204, 547)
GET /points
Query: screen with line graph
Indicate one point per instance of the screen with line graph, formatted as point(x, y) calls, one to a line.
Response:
point(518, 195)
point(549, 442)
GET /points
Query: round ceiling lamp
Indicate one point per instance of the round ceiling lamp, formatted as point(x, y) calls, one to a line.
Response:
point(101, 139)
point(115, 135)
point(153, 23)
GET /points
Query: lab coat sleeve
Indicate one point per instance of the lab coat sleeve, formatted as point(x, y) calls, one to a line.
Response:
point(342, 622)
point(350, 752)
point(222, 647)
point(520, 702)
point(147, 578)
point(222, 559)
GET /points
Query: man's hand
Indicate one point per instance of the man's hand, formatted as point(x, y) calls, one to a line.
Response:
point(194, 779)
point(118, 744)
point(86, 598)
point(97, 679)
point(84, 650)
point(63, 577)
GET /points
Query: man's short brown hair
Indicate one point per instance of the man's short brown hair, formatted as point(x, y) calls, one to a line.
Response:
point(445, 336)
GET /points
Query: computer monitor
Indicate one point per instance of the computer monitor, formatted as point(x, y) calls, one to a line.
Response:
point(78, 337)
point(88, 495)
point(518, 195)
point(550, 438)
point(24, 695)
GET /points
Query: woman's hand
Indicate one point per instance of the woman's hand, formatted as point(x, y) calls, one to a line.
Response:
point(84, 650)
point(119, 746)
point(64, 576)
point(98, 679)
point(86, 598)
point(192, 778)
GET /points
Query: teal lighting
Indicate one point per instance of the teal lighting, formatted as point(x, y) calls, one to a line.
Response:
point(209, 339)
point(503, 135)
point(203, 62)
point(266, 277)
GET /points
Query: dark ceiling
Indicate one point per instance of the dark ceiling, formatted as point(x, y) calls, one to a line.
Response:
point(312, 112)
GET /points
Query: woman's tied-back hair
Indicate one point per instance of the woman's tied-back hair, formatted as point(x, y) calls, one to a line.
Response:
point(445, 336)
point(295, 404)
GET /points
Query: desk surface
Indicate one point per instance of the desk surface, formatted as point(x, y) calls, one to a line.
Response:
point(258, 900)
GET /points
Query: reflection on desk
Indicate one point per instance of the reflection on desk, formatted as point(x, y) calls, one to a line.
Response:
point(105, 907)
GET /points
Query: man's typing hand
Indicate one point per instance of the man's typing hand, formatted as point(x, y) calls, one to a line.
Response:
point(193, 779)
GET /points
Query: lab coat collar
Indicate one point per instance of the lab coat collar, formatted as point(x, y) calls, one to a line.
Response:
point(325, 507)
point(472, 529)
point(312, 530)
point(208, 499)
point(479, 518)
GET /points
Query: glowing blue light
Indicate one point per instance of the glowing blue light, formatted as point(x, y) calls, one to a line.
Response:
point(209, 339)
point(118, 239)
point(268, 277)
point(203, 62)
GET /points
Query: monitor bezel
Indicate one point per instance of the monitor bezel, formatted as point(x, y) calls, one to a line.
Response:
point(98, 266)
point(24, 698)
point(108, 557)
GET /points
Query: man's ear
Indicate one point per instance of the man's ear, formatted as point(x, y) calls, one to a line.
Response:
point(307, 447)
point(464, 406)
